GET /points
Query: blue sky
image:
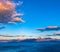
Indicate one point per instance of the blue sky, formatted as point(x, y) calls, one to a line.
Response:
point(37, 14)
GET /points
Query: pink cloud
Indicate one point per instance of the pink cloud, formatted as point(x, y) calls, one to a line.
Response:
point(8, 13)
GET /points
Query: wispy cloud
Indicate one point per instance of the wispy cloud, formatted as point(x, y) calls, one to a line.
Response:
point(57, 33)
point(8, 36)
point(49, 28)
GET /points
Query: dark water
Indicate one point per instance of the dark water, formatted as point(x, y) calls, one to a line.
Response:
point(30, 47)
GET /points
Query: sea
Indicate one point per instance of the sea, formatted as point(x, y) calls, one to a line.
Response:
point(53, 46)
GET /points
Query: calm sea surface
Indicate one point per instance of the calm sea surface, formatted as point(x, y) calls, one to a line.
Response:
point(30, 47)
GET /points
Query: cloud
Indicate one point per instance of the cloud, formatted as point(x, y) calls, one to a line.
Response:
point(8, 13)
point(49, 28)
point(57, 33)
point(52, 27)
point(11, 22)
point(17, 19)
point(41, 29)
point(8, 36)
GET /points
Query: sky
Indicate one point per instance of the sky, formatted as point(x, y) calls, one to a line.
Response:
point(37, 14)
